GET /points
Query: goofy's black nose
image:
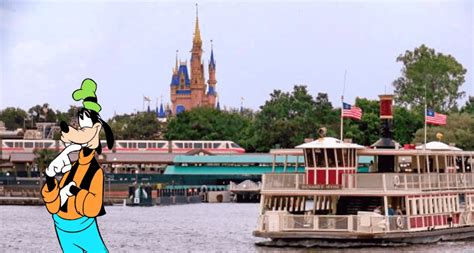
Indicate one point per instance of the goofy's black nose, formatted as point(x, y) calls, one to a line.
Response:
point(64, 126)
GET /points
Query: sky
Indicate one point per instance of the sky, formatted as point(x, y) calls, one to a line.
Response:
point(128, 47)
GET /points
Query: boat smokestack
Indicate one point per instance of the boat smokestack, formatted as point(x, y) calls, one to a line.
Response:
point(386, 163)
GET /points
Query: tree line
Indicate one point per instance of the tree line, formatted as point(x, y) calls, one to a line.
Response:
point(288, 117)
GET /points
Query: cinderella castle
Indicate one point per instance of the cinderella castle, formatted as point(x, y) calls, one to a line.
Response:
point(190, 92)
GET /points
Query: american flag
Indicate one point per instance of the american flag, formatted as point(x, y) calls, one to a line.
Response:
point(435, 118)
point(351, 111)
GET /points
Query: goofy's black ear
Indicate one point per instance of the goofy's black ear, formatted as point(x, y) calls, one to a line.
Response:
point(109, 135)
point(98, 150)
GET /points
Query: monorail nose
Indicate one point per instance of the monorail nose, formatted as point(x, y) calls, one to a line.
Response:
point(64, 127)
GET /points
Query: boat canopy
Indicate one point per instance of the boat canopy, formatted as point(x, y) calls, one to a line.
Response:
point(329, 142)
point(437, 145)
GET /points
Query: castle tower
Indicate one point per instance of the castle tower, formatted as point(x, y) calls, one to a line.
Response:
point(189, 91)
point(197, 68)
point(211, 92)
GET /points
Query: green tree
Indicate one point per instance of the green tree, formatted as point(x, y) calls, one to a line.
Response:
point(286, 119)
point(206, 123)
point(367, 130)
point(142, 126)
point(459, 129)
point(70, 116)
point(326, 115)
point(406, 123)
point(469, 106)
point(424, 69)
point(13, 117)
point(42, 113)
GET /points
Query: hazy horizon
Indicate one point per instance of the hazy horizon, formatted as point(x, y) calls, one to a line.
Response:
point(47, 48)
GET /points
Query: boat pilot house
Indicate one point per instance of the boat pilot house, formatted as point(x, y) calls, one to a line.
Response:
point(411, 194)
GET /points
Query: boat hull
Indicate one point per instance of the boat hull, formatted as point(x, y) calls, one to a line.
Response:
point(346, 239)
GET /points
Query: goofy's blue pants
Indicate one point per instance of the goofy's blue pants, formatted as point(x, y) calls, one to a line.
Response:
point(79, 235)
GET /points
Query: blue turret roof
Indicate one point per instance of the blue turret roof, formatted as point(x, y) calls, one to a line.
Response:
point(175, 78)
point(212, 63)
point(211, 90)
point(162, 113)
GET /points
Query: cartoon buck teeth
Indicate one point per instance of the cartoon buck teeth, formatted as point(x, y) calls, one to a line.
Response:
point(77, 199)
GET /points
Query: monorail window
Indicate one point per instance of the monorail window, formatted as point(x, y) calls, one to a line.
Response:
point(197, 145)
point(18, 144)
point(142, 145)
point(235, 145)
point(47, 144)
point(103, 144)
point(151, 145)
point(160, 145)
point(309, 158)
point(29, 144)
point(38, 145)
point(9, 144)
point(132, 145)
point(179, 145)
point(215, 145)
point(188, 145)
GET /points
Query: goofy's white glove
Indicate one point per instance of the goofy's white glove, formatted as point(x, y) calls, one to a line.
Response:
point(62, 163)
point(65, 192)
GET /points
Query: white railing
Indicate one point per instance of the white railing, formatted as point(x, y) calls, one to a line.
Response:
point(378, 181)
point(284, 222)
point(283, 181)
point(244, 186)
point(405, 181)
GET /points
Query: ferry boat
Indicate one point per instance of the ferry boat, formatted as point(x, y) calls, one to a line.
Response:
point(409, 195)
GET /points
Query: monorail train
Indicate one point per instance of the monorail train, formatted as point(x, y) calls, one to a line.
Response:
point(9, 146)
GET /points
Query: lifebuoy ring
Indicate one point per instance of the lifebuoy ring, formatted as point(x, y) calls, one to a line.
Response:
point(396, 181)
point(399, 222)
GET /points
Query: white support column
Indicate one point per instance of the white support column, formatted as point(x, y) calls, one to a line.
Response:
point(408, 212)
point(327, 165)
point(273, 163)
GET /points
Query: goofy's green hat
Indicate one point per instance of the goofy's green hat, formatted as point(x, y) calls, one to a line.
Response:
point(87, 94)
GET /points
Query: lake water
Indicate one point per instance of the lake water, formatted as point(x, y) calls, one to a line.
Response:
point(182, 228)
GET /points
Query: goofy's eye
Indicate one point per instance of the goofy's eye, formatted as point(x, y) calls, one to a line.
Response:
point(85, 121)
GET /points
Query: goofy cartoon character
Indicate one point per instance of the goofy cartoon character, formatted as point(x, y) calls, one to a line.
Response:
point(77, 199)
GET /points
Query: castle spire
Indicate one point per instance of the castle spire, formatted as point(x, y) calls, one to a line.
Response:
point(175, 71)
point(212, 62)
point(197, 32)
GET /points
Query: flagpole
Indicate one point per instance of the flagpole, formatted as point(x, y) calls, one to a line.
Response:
point(426, 111)
point(342, 118)
point(342, 106)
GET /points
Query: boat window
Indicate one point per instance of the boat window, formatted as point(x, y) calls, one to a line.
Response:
point(142, 145)
point(309, 158)
point(320, 160)
point(340, 158)
point(331, 158)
